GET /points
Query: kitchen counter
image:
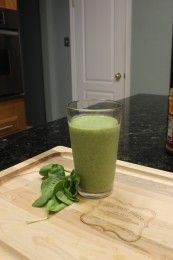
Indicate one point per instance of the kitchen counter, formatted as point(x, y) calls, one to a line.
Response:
point(142, 139)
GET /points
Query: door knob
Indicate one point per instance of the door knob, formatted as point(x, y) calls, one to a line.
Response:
point(117, 76)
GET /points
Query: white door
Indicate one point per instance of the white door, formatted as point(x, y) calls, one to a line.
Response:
point(98, 48)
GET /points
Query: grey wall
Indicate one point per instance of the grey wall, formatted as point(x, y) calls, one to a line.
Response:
point(151, 46)
point(55, 26)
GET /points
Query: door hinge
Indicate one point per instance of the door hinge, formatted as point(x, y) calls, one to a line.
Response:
point(124, 75)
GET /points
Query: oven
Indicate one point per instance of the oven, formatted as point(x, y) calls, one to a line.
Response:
point(10, 54)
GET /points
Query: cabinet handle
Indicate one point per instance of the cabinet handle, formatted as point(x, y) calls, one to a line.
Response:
point(6, 127)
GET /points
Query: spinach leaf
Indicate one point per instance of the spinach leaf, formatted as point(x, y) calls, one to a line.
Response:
point(57, 170)
point(57, 190)
point(70, 196)
point(54, 205)
point(71, 186)
point(50, 187)
point(40, 202)
point(75, 179)
point(45, 169)
point(63, 198)
point(51, 170)
point(52, 181)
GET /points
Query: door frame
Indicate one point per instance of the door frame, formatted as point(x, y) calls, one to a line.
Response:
point(127, 62)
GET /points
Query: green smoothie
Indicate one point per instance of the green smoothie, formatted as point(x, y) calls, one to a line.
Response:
point(94, 141)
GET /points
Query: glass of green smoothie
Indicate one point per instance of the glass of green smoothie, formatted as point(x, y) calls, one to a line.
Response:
point(94, 127)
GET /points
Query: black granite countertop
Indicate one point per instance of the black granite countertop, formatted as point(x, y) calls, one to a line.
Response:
point(142, 139)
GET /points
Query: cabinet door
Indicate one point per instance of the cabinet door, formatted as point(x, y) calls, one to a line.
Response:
point(12, 116)
point(2, 3)
point(9, 4)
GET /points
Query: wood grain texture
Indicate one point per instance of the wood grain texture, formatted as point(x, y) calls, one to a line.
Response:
point(135, 222)
point(2, 3)
point(9, 4)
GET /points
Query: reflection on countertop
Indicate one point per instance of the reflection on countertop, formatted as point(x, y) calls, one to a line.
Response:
point(142, 140)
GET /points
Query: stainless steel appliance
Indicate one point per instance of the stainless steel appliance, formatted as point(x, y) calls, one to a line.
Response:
point(10, 54)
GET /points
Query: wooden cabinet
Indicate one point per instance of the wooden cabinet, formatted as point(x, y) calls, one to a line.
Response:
point(12, 116)
point(2, 4)
point(9, 4)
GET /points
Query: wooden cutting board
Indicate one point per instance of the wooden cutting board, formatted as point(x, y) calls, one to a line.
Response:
point(135, 222)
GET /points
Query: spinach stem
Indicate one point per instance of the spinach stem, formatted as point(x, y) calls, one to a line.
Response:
point(37, 220)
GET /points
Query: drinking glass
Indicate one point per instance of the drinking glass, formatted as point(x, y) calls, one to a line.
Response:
point(94, 127)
